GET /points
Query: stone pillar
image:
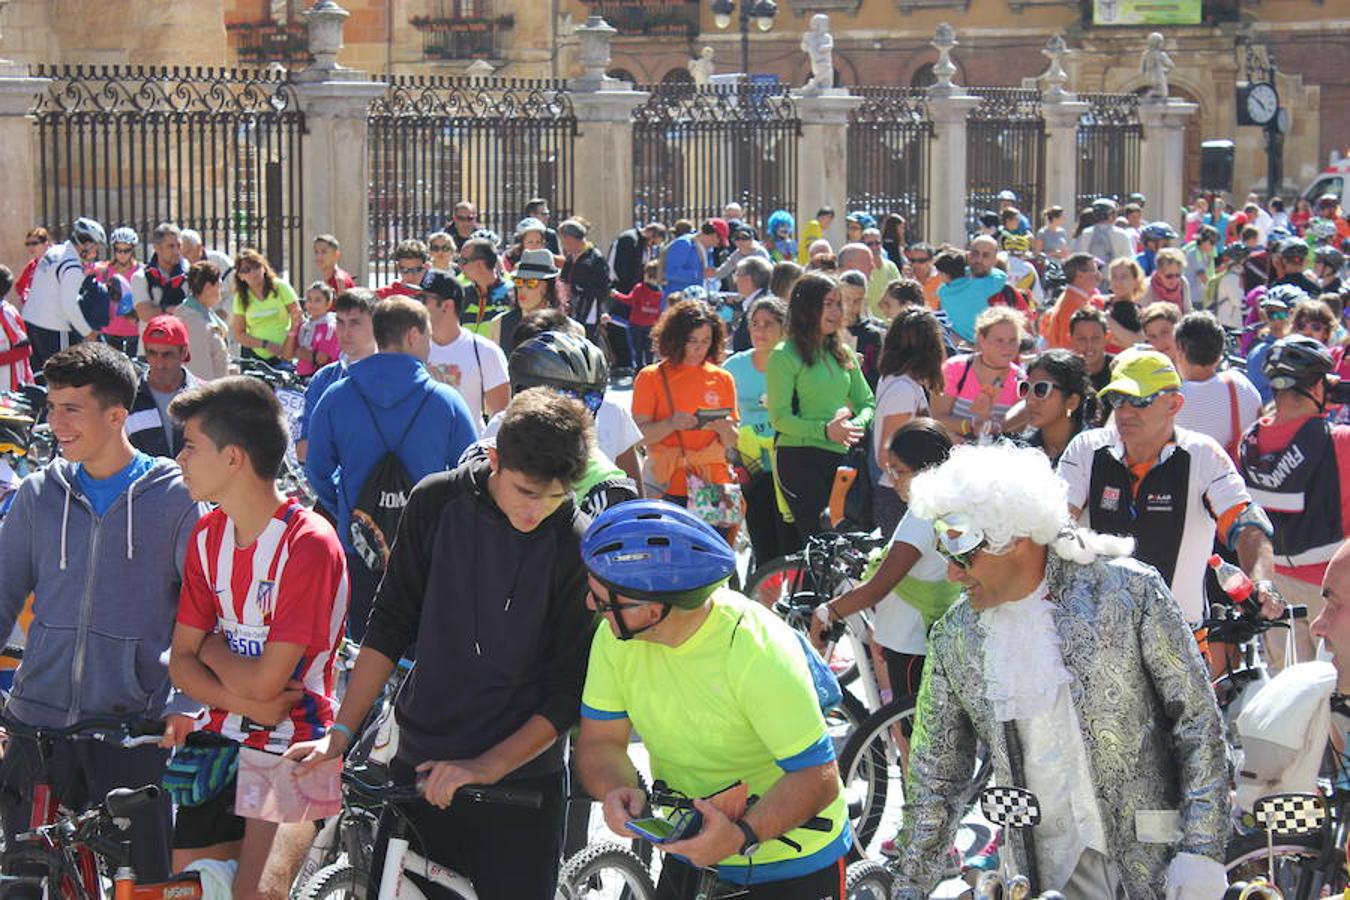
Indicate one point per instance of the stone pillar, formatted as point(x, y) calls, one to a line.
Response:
point(1163, 156)
point(947, 178)
point(1061, 152)
point(822, 156)
point(336, 103)
point(19, 202)
point(603, 154)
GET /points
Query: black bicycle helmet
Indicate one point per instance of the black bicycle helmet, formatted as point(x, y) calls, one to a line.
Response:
point(558, 360)
point(1330, 257)
point(1297, 361)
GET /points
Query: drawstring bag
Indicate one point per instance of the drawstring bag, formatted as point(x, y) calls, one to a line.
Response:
point(197, 775)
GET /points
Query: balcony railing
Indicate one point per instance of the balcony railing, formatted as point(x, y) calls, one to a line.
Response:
point(473, 34)
point(671, 18)
point(270, 41)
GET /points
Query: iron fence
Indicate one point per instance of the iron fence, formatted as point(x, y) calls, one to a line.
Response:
point(698, 147)
point(217, 150)
point(889, 137)
point(436, 140)
point(1109, 136)
point(1005, 150)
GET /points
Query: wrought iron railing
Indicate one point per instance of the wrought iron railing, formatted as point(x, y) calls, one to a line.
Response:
point(1109, 138)
point(889, 137)
point(217, 150)
point(1005, 150)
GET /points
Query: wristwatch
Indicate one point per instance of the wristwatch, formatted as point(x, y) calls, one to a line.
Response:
point(751, 845)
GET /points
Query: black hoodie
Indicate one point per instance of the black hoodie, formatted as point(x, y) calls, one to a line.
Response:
point(499, 618)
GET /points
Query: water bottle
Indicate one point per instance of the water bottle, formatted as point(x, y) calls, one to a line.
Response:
point(1233, 580)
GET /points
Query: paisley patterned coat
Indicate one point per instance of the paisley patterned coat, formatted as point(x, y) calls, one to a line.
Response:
point(1151, 727)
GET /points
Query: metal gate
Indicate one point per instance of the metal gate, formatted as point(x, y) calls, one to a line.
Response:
point(1109, 136)
point(1005, 149)
point(697, 148)
point(889, 137)
point(436, 140)
point(216, 150)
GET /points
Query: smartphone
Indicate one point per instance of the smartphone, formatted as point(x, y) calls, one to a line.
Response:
point(658, 831)
point(705, 416)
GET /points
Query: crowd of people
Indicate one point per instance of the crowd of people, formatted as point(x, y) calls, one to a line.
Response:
point(1060, 428)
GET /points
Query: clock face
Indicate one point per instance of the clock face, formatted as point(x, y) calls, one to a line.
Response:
point(1262, 103)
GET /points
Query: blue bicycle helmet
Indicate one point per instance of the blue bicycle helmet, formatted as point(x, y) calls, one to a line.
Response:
point(1157, 231)
point(657, 552)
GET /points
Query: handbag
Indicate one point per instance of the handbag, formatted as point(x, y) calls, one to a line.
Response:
point(717, 504)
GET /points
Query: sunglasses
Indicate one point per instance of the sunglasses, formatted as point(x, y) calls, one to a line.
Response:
point(415, 270)
point(530, 283)
point(872, 243)
point(960, 549)
point(1115, 400)
point(1277, 315)
point(591, 399)
point(441, 248)
point(464, 261)
point(32, 243)
point(918, 261)
point(1040, 389)
point(122, 250)
point(246, 268)
point(464, 218)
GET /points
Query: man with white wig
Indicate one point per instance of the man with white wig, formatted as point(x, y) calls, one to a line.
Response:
point(1072, 663)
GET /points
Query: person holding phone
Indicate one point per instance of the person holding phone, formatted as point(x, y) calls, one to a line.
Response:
point(981, 387)
point(685, 405)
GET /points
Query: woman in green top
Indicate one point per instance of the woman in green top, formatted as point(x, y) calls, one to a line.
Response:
point(819, 403)
point(267, 311)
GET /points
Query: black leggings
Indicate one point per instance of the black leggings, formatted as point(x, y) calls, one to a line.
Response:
point(770, 536)
point(679, 881)
point(807, 476)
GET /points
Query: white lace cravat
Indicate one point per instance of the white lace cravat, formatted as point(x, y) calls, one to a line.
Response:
point(1023, 663)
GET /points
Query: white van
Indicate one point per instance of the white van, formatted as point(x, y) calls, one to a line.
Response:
point(1330, 180)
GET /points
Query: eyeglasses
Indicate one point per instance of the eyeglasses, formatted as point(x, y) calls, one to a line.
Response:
point(918, 261)
point(32, 243)
point(462, 218)
point(530, 283)
point(958, 540)
point(414, 270)
point(465, 260)
point(1040, 389)
point(441, 248)
point(246, 268)
point(1116, 400)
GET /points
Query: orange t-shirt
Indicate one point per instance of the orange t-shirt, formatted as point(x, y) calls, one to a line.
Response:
point(693, 388)
point(930, 291)
point(1055, 325)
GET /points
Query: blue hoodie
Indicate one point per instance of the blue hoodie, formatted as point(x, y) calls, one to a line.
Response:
point(106, 594)
point(344, 445)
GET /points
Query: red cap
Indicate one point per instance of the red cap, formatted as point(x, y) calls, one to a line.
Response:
point(168, 330)
point(722, 228)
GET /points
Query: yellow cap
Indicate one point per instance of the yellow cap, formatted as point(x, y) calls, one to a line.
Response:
point(1142, 373)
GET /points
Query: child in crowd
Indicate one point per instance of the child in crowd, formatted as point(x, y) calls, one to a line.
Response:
point(15, 370)
point(317, 345)
point(645, 300)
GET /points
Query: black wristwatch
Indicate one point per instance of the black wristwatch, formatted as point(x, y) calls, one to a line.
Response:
point(751, 845)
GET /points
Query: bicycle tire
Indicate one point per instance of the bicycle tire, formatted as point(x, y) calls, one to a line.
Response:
point(333, 882)
point(1247, 856)
point(38, 863)
point(583, 876)
point(774, 581)
point(868, 879)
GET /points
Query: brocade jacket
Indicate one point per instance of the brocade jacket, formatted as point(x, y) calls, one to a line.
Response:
point(1151, 728)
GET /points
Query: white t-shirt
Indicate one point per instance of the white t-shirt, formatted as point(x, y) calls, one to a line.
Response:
point(897, 395)
point(472, 365)
point(615, 430)
point(898, 626)
point(1214, 484)
point(1208, 407)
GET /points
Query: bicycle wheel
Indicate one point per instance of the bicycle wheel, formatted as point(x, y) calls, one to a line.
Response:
point(33, 862)
point(868, 879)
point(774, 580)
point(1295, 864)
point(336, 882)
point(605, 872)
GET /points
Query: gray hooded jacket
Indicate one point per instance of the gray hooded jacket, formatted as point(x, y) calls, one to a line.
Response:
point(106, 595)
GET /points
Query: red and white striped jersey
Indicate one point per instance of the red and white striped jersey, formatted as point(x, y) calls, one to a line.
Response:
point(290, 586)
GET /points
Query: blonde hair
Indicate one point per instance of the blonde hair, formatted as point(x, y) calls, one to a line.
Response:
point(1128, 262)
point(1169, 255)
point(997, 315)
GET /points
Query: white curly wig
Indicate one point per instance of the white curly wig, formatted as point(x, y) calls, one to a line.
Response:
point(1010, 492)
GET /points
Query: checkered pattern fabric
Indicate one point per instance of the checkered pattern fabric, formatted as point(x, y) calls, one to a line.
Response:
point(1290, 813)
point(1010, 807)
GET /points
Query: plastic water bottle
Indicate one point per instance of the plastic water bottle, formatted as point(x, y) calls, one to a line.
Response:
point(1233, 580)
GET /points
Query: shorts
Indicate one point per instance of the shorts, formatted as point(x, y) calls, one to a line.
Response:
point(211, 823)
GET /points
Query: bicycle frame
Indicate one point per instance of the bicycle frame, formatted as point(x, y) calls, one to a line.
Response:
point(400, 858)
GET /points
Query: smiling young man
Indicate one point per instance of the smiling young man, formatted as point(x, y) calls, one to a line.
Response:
point(98, 537)
point(486, 579)
point(263, 603)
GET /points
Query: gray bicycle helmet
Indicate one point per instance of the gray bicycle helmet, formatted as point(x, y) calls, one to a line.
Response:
point(558, 360)
point(1289, 294)
point(125, 235)
point(86, 230)
point(1297, 361)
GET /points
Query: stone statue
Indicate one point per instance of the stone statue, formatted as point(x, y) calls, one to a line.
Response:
point(701, 66)
point(1154, 63)
point(818, 45)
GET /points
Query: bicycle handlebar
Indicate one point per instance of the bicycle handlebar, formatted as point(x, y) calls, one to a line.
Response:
point(133, 731)
point(661, 795)
point(1245, 626)
point(477, 793)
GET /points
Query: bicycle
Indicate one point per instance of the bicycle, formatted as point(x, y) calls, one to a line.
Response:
point(344, 880)
point(79, 853)
point(290, 391)
point(1246, 673)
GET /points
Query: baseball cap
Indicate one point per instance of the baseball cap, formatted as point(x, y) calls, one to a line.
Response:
point(744, 232)
point(442, 285)
point(1142, 373)
point(721, 227)
point(168, 330)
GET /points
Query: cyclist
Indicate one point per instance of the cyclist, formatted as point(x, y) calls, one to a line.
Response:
point(721, 692)
point(52, 310)
point(1298, 465)
point(263, 602)
point(485, 576)
point(1171, 489)
point(1075, 669)
point(98, 537)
